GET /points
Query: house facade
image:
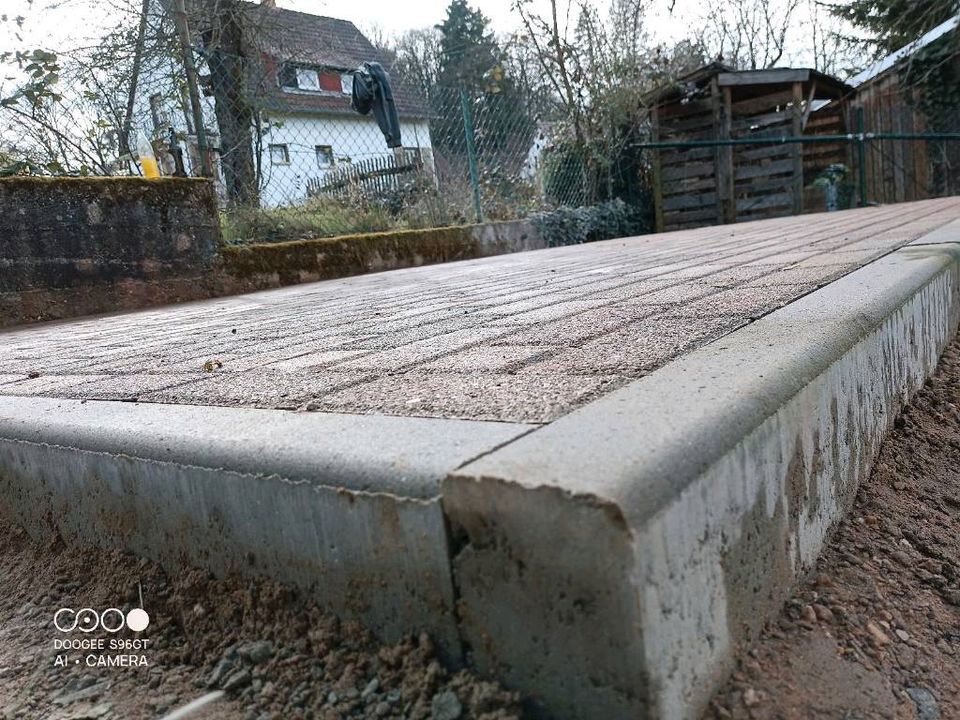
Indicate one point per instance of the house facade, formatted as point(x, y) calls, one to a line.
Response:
point(300, 75)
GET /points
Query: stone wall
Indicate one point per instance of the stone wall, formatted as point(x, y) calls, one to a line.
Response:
point(83, 246)
point(77, 246)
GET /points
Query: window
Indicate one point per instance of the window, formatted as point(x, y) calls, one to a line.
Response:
point(330, 81)
point(279, 155)
point(310, 79)
point(288, 76)
point(324, 156)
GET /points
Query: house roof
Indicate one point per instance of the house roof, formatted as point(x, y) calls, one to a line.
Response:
point(288, 36)
point(277, 35)
point(881, 66)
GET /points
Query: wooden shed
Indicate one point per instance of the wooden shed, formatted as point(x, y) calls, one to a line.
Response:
point(902, 170)
point(696, 186)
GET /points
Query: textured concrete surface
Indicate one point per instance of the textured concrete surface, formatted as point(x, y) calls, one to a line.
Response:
point(519, 338)
point(679, 419)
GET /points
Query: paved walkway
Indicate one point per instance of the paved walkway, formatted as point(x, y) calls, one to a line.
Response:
point(522, 338)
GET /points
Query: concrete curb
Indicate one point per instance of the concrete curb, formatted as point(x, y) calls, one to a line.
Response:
point(612, 561)
point(343, 505)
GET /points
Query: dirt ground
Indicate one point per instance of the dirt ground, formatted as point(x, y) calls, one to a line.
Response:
point(275, 656)
point(876, 632)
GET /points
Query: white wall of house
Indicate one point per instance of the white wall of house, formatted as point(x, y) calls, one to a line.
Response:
point(351, 139)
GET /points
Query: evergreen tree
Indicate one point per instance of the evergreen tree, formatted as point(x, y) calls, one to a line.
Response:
point(471, 68)
point(895, 23)
point(468, 50)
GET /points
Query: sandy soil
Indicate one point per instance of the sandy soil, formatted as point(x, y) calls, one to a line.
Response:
point(876, 632)
point(276, 656)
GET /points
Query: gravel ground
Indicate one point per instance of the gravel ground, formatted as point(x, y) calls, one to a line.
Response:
point(875, 633)
point(275, 656)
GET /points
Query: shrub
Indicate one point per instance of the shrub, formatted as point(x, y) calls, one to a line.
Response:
point(572, 226)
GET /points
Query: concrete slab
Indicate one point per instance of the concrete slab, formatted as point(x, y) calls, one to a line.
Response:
point(614, 308)
point(612, 560)
point(589, 490)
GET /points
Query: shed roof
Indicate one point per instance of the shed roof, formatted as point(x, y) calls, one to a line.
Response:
point(890, 61)
point(826, 87)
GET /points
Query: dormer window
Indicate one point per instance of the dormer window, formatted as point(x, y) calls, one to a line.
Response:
point(306, 78)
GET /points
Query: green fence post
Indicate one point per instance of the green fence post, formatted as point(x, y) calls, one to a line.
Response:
point(861, 158)
point(471, 153)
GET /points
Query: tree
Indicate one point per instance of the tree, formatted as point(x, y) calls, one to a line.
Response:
point(416, 57)
point(225, 48)
point(471, 67)
point(891, 24)
point(468, 50)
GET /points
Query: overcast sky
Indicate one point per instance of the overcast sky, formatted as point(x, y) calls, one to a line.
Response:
point(53, 22)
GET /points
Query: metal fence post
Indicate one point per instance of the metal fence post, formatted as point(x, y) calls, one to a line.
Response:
point(861, 158)
point(471, 153)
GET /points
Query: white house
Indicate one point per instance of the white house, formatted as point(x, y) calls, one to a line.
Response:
point(301, 80)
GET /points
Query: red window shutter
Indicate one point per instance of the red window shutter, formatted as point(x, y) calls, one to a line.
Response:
point(330, 81)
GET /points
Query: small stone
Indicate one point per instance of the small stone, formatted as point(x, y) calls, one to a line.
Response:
point(808, 614)
point(220, 671)
point(902, 634)
point(382, 709)
point(823, 613)
point(446, 706)
point(370, 689)
point(751, 698)
point(877, 636)
point(256, 652)
point(952, 597)
point(927, 707)
point(236, 681)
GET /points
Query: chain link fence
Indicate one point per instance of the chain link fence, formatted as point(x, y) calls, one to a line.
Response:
point(262, 105)
point(465, 157)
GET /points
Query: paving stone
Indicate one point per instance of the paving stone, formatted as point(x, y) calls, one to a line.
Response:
point(637, 349)
point(127, 387)
point(478, 396)
point(487, 358)
point(614, 308)
point(49, 385)
point(744, 302)
point(256, 388)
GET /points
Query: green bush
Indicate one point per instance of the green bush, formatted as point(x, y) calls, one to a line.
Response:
point(572, 226)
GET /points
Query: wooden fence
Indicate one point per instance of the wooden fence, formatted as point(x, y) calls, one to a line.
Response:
point(376, 176)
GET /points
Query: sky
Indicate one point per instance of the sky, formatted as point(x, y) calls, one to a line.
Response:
point(50, 22)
